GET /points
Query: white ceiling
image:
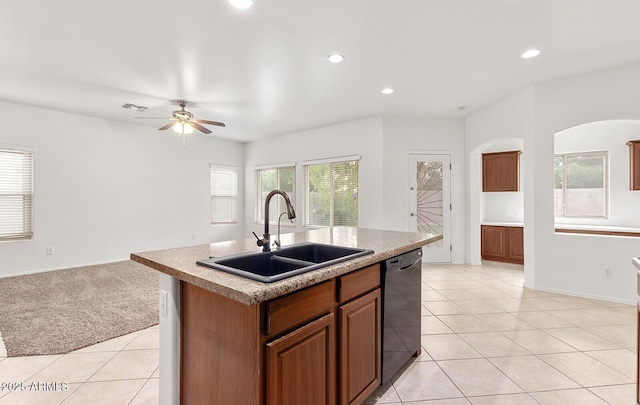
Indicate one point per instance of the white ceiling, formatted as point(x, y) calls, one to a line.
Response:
point(263, 71)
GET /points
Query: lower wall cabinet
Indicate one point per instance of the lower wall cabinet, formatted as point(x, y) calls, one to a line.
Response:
point(502, 243)
point(301, 365)
point(360, 348)
point(317, 346)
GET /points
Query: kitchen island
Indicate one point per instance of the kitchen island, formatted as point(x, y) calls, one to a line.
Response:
point(226, 339)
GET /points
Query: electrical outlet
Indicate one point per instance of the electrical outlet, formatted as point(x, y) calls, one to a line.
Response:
point(608, 272)
point(50, 251)
point(163, 303)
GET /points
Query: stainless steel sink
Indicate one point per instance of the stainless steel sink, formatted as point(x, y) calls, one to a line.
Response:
point(282, 263)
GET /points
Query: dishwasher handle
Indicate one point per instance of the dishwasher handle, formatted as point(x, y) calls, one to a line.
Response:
point(404, 262)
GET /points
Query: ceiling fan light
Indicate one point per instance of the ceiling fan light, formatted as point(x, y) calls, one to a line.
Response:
point(182, 128)
point(241, 4)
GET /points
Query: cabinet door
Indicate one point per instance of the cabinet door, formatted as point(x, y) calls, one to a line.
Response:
point(634, 165)
point(360, 348)
point(501, 171)
point(515, 244)
point(301, 365)
point(493, 242)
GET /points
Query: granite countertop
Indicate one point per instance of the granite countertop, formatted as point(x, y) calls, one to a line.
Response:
point(181, 262)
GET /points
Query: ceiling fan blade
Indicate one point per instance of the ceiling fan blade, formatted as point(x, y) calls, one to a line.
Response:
point(220, 124)
point(152, 118)
point(200, 128)
point(169, 125)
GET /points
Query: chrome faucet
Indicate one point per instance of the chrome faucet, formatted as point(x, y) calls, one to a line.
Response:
point(265, 242)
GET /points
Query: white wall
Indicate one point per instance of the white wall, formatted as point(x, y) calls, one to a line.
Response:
point(610, 136)
point(506, 125)
point(105, 189)
point(384, 144)
point(401, 136)
point(574, 263)
point(362, 137)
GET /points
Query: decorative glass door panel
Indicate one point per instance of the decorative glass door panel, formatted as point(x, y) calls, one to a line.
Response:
point(430, 203)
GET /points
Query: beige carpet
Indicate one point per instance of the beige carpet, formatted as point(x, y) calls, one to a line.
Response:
point(60, 311)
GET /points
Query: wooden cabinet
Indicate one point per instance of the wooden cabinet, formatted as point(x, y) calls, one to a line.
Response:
point(634, 165)
point(320, 345)
point(515, 244)
point(360, 337)
point(502, 243)
point(301, 365)
point(501, 171)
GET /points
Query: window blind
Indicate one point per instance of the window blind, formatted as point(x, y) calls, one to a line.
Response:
point(224, 195)
point(16, 195)
point(269, 179)
point(331, 194)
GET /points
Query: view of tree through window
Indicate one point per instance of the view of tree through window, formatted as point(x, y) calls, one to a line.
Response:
point(580, 185)
point(332, 194)
point(281, 178)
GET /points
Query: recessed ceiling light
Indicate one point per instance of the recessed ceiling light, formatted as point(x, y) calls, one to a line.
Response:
point(335, 58)
point(241, 4)
point(387, 90)
point(531, 53)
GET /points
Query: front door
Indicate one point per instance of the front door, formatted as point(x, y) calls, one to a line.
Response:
point(430, 199)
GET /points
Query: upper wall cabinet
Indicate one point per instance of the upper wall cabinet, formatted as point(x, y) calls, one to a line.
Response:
point(501, 171)
point(634, 165)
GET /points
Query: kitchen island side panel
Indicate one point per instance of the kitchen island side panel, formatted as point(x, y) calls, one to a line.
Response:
point(221, 349)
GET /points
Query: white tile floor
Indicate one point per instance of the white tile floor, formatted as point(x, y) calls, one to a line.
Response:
point(123, 371)
point(486, 340)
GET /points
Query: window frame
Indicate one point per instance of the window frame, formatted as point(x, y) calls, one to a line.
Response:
point(605, 178)
point(331, 162)
point(233, 195)
point(27, 215)
point(259, 203)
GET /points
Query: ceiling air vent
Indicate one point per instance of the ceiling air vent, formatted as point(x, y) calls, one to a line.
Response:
point(130, 106)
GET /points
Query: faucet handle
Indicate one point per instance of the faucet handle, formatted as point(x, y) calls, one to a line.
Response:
point(260, 242)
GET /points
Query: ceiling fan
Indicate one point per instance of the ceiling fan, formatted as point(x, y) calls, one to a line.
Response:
point(183, 121)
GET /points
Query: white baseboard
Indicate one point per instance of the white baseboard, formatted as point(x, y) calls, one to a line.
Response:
point(25, 273)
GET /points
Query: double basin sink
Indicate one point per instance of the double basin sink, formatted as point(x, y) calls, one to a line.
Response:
point(285, 262)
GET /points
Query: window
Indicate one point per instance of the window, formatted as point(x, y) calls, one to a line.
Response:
point(224, 195)
point(581, 185)
point(331, 193)
point(16, 195)
point(274, 178)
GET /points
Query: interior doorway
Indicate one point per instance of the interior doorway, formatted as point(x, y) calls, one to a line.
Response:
point(430, 202)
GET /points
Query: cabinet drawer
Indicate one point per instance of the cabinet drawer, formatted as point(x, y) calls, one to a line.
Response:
point(293, 310)
point(359, 282)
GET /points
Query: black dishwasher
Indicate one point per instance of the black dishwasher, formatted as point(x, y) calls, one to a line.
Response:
point(401, 290)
